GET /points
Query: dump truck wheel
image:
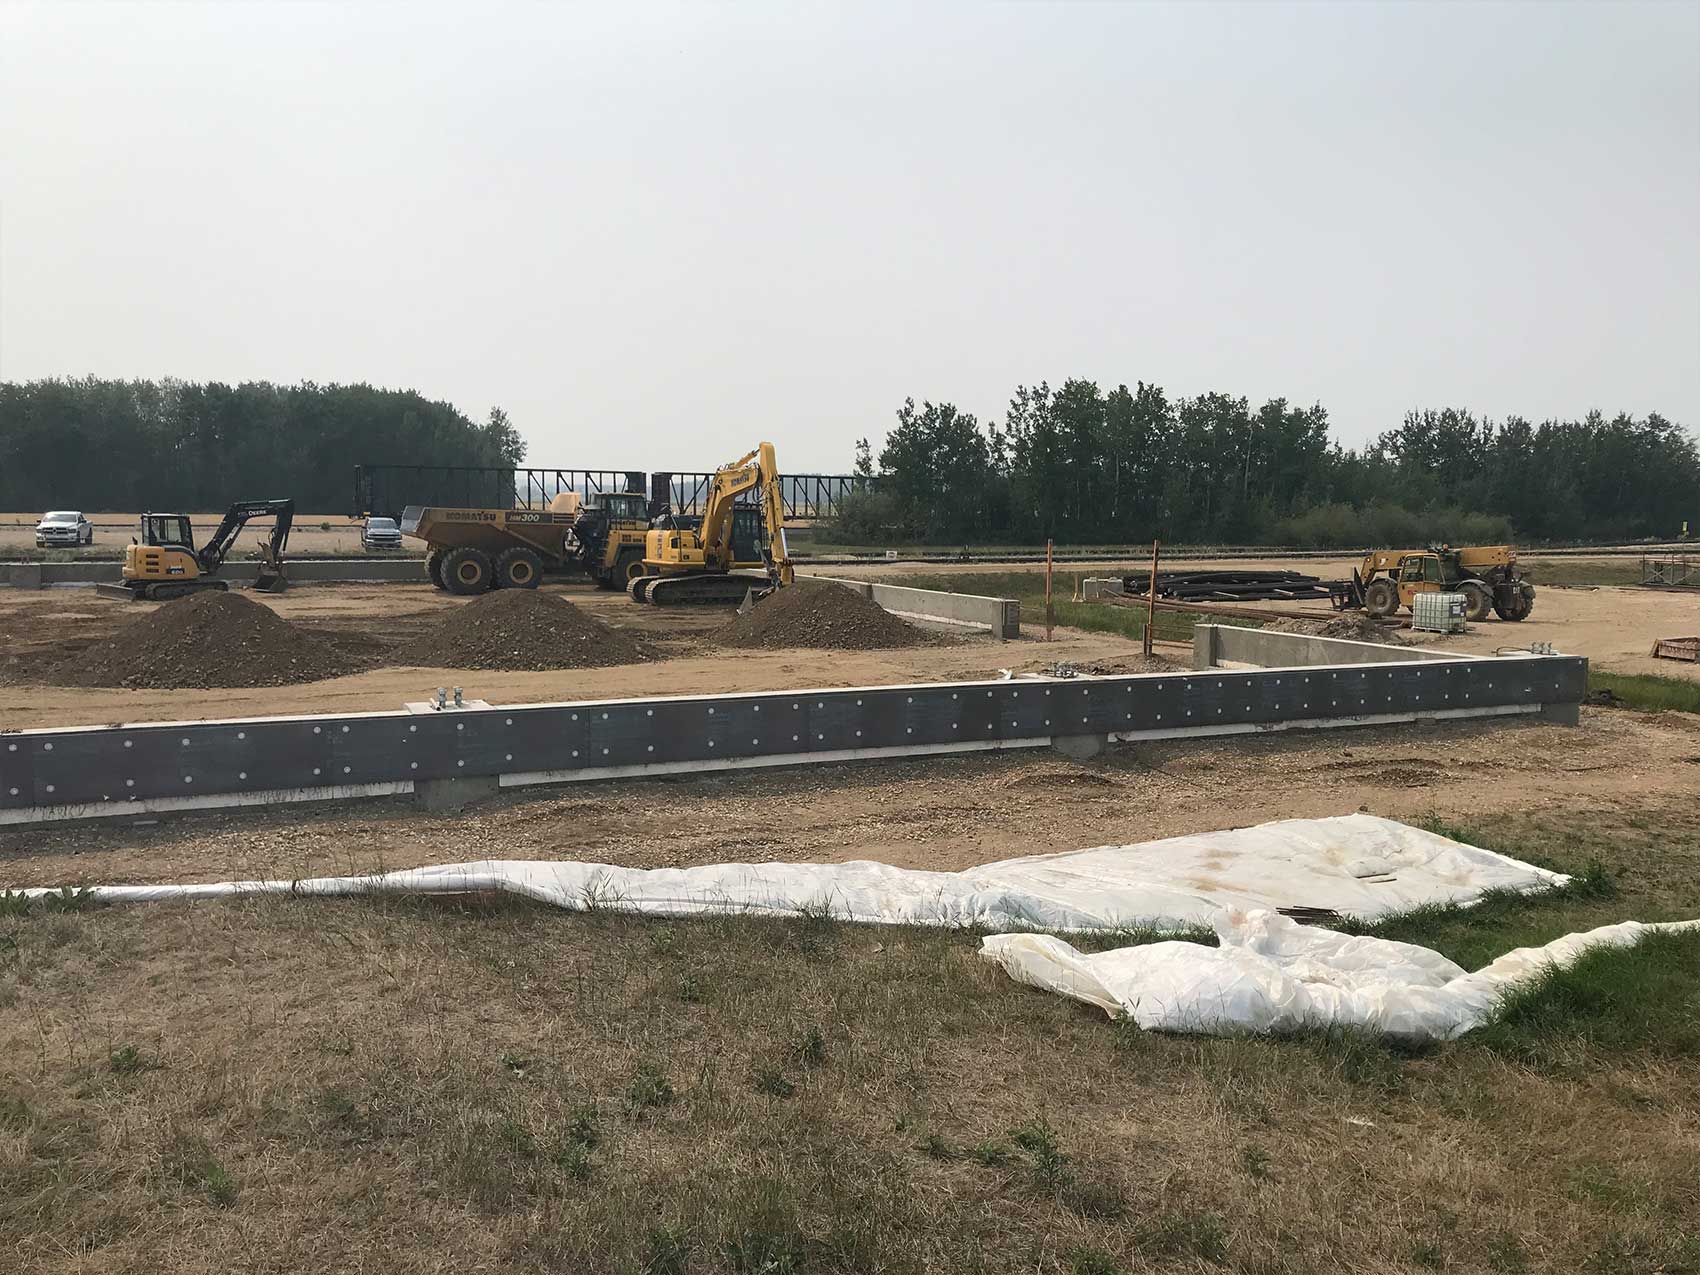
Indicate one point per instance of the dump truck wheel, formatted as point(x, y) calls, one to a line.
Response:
point(1477, 600)
point(1381, 598)
point(519, 569)
point(632, 568)
point(467, 571)
point(434, 566)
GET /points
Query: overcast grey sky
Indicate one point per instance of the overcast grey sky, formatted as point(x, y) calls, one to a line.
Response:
point(657, 233)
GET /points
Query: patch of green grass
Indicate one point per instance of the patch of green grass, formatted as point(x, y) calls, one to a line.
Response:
point(991, 1153)
point(772, 1081)
point(1087, 1260)
point(188, 1159)
point(1051, 1171)
point(649, 1088)
point(935, 1147)
point(1643, 999)
point(1187, 1233)
point(66, 899)
point(1649, 692)
point(1255, 1161)
point(129, 1060)
point(667, 1252)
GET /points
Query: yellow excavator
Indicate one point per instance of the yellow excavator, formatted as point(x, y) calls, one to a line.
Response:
point(686, 561)
point(162, 561)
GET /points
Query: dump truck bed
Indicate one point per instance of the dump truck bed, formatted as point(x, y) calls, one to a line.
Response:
point(491, 530)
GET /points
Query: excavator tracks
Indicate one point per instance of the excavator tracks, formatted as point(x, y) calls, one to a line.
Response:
point(697, 590)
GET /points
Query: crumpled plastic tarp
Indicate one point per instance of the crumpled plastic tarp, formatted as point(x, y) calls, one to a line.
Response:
point(1271, 974)
point(1355, 865)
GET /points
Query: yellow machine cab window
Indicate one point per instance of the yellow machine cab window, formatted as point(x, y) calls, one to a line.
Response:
point(167, 529)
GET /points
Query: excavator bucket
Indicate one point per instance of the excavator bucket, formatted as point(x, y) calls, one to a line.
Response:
point(270, 581)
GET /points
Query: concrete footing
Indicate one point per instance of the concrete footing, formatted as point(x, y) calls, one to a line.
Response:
point(1080, 747)
point(449, 795)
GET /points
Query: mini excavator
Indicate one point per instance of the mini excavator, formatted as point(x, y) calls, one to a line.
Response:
point(162, 561)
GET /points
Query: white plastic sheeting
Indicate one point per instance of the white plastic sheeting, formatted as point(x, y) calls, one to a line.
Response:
point(1356, 865)
point(1271, 974)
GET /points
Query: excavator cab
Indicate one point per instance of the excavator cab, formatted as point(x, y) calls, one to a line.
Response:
point(167, 530)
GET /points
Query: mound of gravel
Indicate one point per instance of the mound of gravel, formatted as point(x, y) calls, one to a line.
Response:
point(206, 640)
point(1352, 625)
point(522, 630)
point(824, 615)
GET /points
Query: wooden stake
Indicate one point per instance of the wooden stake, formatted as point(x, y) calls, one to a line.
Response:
point(1050, 614)
point(1151, 605)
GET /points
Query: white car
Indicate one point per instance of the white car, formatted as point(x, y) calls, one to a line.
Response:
point(65, 529)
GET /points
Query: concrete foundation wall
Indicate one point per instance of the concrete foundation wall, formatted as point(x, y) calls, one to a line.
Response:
point(454, 755)
point(1228, 646)
point(999, 616)
point(39, 575)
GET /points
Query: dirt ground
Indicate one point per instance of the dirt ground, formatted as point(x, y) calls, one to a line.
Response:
point(381, 621)
point(939, 813)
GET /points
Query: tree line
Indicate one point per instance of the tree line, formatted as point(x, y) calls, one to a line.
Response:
point(1082, 466)
point(178, 445)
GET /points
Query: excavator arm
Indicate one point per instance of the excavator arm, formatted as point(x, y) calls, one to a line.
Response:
point(270, 578)
point(759, 468)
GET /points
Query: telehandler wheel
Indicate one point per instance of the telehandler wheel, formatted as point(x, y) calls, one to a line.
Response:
point(1477, 600)
point(1515, 603)
point(434, 566)
point(519, 569)
point(1381, 598)
point(467, 571)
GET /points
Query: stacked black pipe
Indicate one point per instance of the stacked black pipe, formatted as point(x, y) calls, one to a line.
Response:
point(1230, 586)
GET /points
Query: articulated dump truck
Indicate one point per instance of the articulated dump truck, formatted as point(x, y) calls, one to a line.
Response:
point(604, 537)
point(471, 550)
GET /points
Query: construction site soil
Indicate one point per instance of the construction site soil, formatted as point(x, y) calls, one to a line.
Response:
point(824, 616)
point(206, 640)
point(385, 634)
point(519, 629)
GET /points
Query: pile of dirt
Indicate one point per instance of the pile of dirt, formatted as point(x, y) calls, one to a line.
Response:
point(522, 630)
point(206, 640)
point(1354, 626)
point(824, 615)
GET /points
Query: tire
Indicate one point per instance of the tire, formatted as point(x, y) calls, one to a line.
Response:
point(519, 569)
point(1381, 597)
point(629, 567)
point(1478, 602)
point(434, 566)
point(1516, 603)
point(468, 571)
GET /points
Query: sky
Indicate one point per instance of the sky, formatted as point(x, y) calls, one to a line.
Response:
point(655, 234)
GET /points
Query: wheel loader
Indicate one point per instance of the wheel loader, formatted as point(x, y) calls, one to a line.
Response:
point(1487, 576)
point(162, 562)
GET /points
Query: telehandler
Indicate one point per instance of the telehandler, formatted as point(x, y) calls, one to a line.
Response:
point(1487, 576)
